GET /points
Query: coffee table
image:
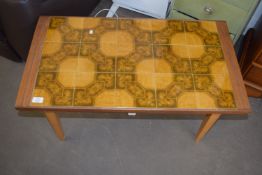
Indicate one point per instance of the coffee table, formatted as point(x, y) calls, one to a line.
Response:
point(79, 64)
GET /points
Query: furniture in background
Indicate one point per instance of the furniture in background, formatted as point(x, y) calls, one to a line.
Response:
point(251, 60)
point(154, 8)
point(18, 19)
point(6, 50)
point(132, 66)
point(236, 12)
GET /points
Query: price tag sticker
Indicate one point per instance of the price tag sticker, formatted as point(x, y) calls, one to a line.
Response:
point(38, 100)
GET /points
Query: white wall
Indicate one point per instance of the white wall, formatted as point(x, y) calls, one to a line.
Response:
point(255, 17)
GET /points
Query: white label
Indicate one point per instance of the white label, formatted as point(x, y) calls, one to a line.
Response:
point(131, 114)
point(38, 100)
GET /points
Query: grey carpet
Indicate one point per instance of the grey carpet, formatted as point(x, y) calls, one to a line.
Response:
point(98, 146)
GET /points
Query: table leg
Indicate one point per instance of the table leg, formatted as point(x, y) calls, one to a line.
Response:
point(54, 121)
point(206, 124)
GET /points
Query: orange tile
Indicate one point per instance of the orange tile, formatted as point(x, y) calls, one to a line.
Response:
point(83, 79)
point(145, 66)
point(53, 35)
point(146, 80)
point(75, 22)
point(163, 66)
point(209, 26)
point(180, 51)
point(178, 39)
point(105, 99)
point(187, 100)
point(66, 79)
point(163, 80)
point(193, 39)
point(51, 48)
point(123, 99)
point(85, 64)
point(158, 25)
point(205, 100)
point(219, 67)
point(68, 65)
point(91, 23)
point(196, 52)
point(223, 82)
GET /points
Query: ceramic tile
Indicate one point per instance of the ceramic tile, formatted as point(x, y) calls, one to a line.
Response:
point(49, 49)
point(91, 23)
point(168, 32)
point(145, 66)
point(205, 100)
point(164, 100)
point(171, 59)
point(105, 99)
point(163, 80)
point(140, 86)
point(85, 64)
point(203, 82)
point(114, 98)
point(222, 81)
point(146, 80)
point(63, 29)
point(54, 89)
point(99, 30)
point(69, 64)
point(207, 60)
point(53, 35)
point(138, 30)
point(219, 67)
point(216, 88)
point(66, 79)
point(43, 96)
point(88, 49)
point(140, 59)
point(83, 79)
point(187, 100)
point(132, 63)
point(201, 33)
point(66, 99)
point(76, 22)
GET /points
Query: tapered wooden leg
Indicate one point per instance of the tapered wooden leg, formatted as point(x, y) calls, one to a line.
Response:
point(206, 125)
point(54, 121)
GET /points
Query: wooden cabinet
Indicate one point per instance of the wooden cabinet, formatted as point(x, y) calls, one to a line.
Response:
point(251, 61)
point(235, 12)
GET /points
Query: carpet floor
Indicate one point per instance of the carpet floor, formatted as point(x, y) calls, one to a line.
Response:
point(99, 144)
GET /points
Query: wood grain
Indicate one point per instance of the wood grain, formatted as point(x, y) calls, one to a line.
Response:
point(30, 71)
point(206, 125)
point(54, 121)
point(239, 90)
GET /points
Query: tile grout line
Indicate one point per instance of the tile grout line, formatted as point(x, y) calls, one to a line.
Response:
point(133, 73)
point(191, 68)
point(191, 45)
point(153, 76)
point(79, 50)
point(117, 23)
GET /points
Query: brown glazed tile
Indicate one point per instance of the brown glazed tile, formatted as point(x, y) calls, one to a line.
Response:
point(148, 63)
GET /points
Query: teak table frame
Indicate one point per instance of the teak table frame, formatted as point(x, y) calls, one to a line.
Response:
point(23, 100)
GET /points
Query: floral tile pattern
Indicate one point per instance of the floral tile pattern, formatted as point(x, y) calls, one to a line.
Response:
point(152, 63)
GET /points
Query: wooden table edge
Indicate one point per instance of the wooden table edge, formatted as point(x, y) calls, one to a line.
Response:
point(243, 111)
point(30, 71)
point(235, 75)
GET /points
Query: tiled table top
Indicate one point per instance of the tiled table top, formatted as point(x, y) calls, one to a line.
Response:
point(150, 63)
